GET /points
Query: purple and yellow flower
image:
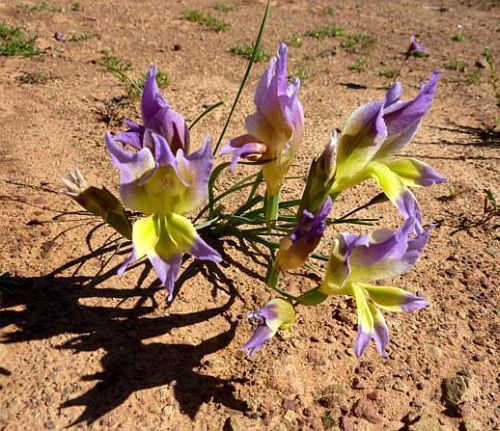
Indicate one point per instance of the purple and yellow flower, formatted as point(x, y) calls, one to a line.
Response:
point(275, 130)
point(416, 49)
point(276, 314)
point(164, 187)
point(158, 118)
point(376, 132)
point(356, 260)
point(296, 247)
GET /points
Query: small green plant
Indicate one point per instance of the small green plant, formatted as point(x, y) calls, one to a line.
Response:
point(358, 66)
point(452, 195)
point(223, 7)
point(119, 68)
point(206, 19)
point(388, 73)
point(14, 42)
point(358, 42)
point(294, 41)
point(488, 53)
point(330, 10)
point(456, 64)
point(35, 78)
point(418, 54)
point(302, 73)
point(114, 64)
point(75, 7)
point(40, 6)
point(325, 31)
point(474, 77)
point(81, 37)
point(459, 37)
point(246, 51)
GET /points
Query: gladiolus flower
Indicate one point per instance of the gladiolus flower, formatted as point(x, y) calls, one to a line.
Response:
point(275, 130)
point(377, 131)
point(164, 187)
point(416, 49)
point(357, 259)
point(303, 239)
point(276, 314)
point(157, 118)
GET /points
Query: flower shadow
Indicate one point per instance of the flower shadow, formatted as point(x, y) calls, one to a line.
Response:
point(47, 306)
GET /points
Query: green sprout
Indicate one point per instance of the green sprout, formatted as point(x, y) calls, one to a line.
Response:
point(40, 6)
point(223, 7)
point(246, 52)
point(295, 41)
point(358, 42)
point(81, 37)
point(114, 64)
point(119, 68)
point(136, 86)
point(302, 73)
point(330, 10)
point(14, 42)
point(358, 66)
point(459, 37)
point(35, 78)
point(325, 31)
point(488, 53)
point(388, 73)
point(474, 77)
point(456, 64)
point(206, 19)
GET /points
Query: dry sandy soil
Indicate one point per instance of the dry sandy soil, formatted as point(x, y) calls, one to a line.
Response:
point(99, 352)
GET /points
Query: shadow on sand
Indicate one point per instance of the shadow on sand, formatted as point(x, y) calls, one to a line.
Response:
point(52, 305)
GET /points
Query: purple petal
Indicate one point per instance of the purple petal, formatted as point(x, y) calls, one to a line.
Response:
point(403, 118)
point(131, 165)
point(410, 209)
point(362, 137)
point(157, 115)
point(304, 238)
point(196, 170)
point(415, 247)
point(413, 303)
point(167, 271)
point(133, 136)
point(243, 146)
point(131, 259)
point(362, 341)
point(393, 94)
point(266, 313)
point(259, 337)
point(430, 177)
point(393, 246)
point(415, 46)
point(277, 100)
point(201, 250)
point(381, 337)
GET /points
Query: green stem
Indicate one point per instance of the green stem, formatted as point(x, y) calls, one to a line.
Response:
point(247, 73)
point(205, 112)
point(271, 209)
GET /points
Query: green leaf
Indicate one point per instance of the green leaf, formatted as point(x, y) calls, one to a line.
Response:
point(312, 297)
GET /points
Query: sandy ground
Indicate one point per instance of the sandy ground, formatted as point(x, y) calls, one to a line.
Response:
point(84, 349)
